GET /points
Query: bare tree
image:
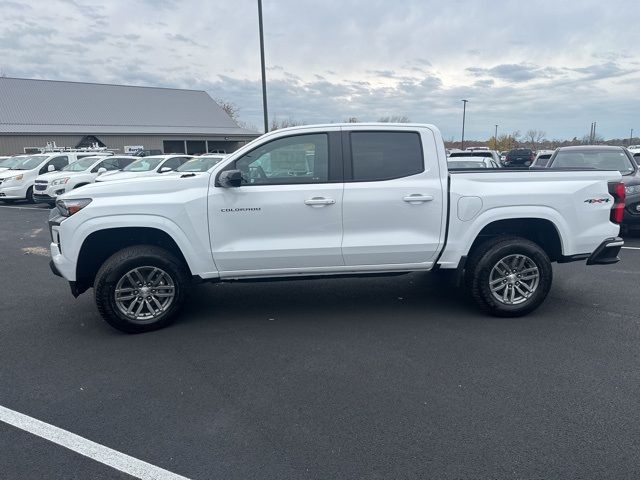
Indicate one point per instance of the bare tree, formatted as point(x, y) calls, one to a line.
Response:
point(394, 119)
point(597, 138)
point(277, 123)
point(535, 137)
point(352, 120)
point(229, 107)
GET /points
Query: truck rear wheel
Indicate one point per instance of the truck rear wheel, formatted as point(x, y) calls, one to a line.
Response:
point(509, 276)
point(140, 288)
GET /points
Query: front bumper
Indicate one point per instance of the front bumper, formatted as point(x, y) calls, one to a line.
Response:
point(60, 264)
point(13, 193)
point(44, 198)
point(49, 194)
point(607, 252)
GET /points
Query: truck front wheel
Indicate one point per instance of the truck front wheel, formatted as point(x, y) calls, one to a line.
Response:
point(140, 288)
point(509, 276)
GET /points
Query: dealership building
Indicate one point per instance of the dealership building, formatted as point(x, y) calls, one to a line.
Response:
point(34, 113)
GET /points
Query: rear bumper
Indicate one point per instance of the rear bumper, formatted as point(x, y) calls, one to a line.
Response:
point(607, 252)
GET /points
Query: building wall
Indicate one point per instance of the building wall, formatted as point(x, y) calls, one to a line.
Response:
point(15, 144)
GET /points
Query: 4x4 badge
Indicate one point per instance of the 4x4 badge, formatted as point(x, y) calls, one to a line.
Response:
point(597, 200)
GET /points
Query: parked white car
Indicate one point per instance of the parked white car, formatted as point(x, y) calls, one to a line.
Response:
point(77, 174)
point(332, 200)
point(482, 152)
point(18, 182)
point(147, 167)
point(465, 163)
point(542, 158)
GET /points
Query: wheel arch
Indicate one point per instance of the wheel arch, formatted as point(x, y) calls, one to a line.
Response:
point(99, 245)
point(541, 231)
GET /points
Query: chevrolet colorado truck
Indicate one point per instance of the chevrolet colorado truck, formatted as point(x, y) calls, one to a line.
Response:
point(332, 200)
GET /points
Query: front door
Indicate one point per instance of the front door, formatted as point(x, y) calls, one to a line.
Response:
point(287, 214)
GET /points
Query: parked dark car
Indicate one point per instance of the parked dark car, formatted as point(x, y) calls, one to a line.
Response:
point(602, 157)
point(519, 157)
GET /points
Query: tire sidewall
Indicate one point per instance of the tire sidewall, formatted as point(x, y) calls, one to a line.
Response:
point(491, 258)
point(107, 284)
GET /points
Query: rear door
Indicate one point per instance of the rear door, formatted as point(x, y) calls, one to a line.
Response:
point(393, 197)
point(287, 214)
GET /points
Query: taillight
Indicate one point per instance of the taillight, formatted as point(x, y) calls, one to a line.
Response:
point(619, 196)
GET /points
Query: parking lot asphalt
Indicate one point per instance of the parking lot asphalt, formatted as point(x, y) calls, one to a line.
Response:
point(396, 377)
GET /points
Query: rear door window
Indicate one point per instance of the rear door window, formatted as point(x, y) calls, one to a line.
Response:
point(377, 156)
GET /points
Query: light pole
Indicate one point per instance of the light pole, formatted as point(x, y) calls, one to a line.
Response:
point(464, 114)
point(495, 139)
point(264, 76)
point(631, 137)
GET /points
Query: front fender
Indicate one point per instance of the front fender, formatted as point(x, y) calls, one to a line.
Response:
point(196, 252)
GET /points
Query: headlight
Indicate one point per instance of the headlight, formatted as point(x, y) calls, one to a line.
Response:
point(632, 189)
point(72, 206)
point(60, 181)
point(16, 178)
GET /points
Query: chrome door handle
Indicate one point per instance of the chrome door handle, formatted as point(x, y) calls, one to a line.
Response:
point(418, 198)
point(319, 201)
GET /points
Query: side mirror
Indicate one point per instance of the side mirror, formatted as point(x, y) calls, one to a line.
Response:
point(51, 168)
point(101, 170)
point(230, 178)
point(165, 170)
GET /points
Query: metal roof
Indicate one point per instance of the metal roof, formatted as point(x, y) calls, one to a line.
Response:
point(48, 106)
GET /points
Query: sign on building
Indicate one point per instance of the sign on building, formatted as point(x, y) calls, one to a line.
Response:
point(133, 148)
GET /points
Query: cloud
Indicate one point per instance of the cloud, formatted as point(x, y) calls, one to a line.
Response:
point(522, 72)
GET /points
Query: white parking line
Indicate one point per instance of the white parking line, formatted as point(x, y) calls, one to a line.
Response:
point(95, 451)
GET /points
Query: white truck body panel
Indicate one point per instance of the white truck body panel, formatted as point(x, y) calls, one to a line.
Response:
point(272, 230)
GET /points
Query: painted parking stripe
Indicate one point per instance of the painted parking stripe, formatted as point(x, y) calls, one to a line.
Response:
point(105, 455)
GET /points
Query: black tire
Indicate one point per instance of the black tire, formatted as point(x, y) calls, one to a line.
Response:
point(30, 195)
point(118, 265)
point(486, 256)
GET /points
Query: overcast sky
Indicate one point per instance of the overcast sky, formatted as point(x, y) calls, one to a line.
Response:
point(549, 65)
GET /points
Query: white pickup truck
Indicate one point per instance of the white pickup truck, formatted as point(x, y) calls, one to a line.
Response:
point(330, 200)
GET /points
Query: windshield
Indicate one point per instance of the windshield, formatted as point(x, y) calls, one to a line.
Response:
point(199, 164)
point(9, 162)
point(466, 164)
point(145, 164)
point(598, 159)
point(29, 163)
point(81, 165)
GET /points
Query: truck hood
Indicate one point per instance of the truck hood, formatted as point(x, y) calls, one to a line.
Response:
point(109, 176)
point(132, 187)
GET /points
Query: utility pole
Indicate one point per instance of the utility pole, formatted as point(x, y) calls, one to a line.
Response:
point(464, 114)
point(495, 139)
point(594, 133)
point(264, 75)
point(631, 137)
